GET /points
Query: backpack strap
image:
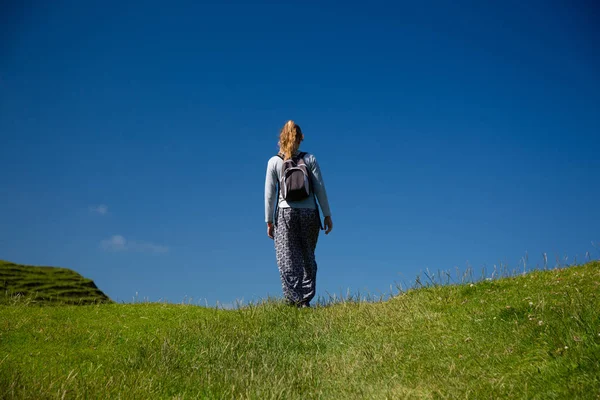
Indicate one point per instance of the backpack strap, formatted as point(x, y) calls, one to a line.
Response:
point(300, 155)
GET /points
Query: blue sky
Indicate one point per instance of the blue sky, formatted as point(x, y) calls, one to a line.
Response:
point(134, 138)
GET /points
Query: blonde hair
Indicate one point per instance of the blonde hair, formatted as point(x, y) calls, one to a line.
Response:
point(289, 139)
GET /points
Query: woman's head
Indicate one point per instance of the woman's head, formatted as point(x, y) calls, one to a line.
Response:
point(289, 139)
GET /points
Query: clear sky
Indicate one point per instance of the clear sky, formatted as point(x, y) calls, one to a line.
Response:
point(134, 138)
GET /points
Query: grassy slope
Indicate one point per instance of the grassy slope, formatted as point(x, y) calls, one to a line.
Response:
point(43, 285)
point(533, 336)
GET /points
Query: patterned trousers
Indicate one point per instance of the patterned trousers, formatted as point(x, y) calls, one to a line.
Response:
point(296, 234)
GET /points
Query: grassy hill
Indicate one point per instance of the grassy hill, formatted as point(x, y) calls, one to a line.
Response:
point(44, 285)
point(529, 336)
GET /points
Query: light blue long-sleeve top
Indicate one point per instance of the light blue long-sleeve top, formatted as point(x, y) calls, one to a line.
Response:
point(318, 188)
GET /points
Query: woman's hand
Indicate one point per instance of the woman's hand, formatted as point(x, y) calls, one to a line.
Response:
point(270, 230)
point(328, 225)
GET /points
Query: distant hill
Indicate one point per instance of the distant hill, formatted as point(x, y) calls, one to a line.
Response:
point(47, 285)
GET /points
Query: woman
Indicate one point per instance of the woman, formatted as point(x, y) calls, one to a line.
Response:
point(295, 227)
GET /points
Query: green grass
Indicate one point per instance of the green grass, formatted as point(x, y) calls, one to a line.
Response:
point(46, 285)
point(531, 336)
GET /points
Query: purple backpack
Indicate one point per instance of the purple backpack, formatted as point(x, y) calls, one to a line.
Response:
point(294, 181)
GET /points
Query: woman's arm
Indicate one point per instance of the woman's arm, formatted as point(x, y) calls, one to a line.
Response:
point(319, 186)
point(321, 193)
point(270, 194)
